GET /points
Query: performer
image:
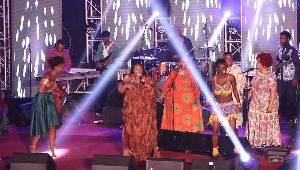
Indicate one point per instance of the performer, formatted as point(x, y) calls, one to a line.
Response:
point(287, 67)
point(44, 115)
point(182, 110)
point(107, 51)
point(184, 42)
point(59, 50)
point(262, 127)
point(139, 114)
point(241, 81)
point(223, 85)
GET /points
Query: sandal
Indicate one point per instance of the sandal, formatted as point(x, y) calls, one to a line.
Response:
point(51, 150)
point(215, 152)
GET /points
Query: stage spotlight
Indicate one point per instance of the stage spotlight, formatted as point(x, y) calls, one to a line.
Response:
point(155, 13)
point(227, 14)
point(247, 161)
point(245, 158)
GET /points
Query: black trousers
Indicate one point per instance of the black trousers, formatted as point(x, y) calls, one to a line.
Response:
point(101, 97)
point(287, 99)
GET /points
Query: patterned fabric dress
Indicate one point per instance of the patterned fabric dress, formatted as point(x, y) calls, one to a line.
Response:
point(262, 127)
point(241, 81)
point(44, 113)
point(187, 116)
point(139, 115)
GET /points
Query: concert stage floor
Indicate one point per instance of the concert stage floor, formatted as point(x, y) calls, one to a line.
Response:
point(77, 144)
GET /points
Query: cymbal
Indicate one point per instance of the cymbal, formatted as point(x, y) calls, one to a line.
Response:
point(203, 48)
point(144, 58)
point(203, 58)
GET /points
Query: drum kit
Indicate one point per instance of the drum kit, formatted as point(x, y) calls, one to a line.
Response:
point(156, 64)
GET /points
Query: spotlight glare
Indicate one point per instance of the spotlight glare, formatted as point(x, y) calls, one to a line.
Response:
point(245, 157)
point(227, 14)
point(155, 13)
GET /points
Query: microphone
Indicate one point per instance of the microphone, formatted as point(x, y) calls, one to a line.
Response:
point(205, 25)
point(64, 89)
point(29, 48)
point(178, 67)
point(250, 69)
point(141, 78)
point(151, 29)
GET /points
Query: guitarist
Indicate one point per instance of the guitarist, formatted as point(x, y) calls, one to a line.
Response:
point(107, 51)
point(287, 67)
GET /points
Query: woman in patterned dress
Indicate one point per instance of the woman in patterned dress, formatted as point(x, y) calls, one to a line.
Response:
point(139, 114)
point(44, 115)
point(223, 85)
point(262, 127)
point(187, 114)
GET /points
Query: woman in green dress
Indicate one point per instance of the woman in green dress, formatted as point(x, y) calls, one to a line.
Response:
point(44, 115)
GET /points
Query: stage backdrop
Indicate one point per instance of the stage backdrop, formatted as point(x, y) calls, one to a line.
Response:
point(123, 20)
point(261, 22)
point(35, 26)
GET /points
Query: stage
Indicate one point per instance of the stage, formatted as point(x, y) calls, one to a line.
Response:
point(77, 144)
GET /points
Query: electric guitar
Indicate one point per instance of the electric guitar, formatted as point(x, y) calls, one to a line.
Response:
point(104, 63)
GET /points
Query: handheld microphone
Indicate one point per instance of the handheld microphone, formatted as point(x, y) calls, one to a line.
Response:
point(64, 89)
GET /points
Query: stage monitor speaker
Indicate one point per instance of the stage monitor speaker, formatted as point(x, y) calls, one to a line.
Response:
point(165, 164)
point(113, 162)
point(197, 143)
point(15, 114)
point(30, 161)
point(204, 164)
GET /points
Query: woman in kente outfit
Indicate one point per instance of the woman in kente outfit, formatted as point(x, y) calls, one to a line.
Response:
point(139, 114)
point(185, 93)
point(44, 115)
point(223, 85)
point(262, 127)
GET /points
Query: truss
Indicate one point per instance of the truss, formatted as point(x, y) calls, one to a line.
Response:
point(5, 58)
point(93, 14)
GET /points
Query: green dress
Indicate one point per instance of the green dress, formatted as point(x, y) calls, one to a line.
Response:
point(44, 113)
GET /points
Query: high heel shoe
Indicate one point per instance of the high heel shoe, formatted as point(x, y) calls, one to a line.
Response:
point(215, 152)
point(31, 149)
point(51, 150)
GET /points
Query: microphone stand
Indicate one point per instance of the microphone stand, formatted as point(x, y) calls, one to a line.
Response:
point(29, 72)
point(172, 87)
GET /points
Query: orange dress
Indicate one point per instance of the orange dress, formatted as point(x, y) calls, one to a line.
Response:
point(187, 115)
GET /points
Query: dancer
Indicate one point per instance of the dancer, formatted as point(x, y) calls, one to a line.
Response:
point(241, 81)
point(139, 114)
point(182, 110)
point(262, 127)
point(44, 115)
point(223, 85)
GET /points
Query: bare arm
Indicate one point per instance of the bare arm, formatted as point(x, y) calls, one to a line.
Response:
point(125, 85)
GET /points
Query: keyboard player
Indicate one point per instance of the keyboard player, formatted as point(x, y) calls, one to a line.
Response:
point(59, 50)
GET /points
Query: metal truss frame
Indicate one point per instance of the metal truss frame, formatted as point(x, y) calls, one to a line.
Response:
point(93, 17)
point(5, 55)
point(233, 36)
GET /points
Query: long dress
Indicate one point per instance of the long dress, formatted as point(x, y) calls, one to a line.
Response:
point(187, 116)
point(139, 115)
point(44, 113)
point(262, 127)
